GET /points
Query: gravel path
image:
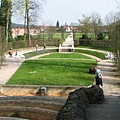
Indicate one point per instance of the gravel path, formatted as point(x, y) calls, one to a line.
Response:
point(9, 67)
point(110, 109)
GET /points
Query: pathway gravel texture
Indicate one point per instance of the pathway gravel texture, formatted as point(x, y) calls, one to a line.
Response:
point(109, 110)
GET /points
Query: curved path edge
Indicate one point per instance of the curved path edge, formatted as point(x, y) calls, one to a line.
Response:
point(110, 109)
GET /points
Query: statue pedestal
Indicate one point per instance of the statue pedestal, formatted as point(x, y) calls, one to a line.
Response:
point(67, 45)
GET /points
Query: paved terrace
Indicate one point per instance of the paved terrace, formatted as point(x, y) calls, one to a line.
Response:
point(109, 110)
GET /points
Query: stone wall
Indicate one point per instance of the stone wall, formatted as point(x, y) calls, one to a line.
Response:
point(30, 107)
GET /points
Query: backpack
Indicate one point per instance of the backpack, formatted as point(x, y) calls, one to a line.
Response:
point(99, 75)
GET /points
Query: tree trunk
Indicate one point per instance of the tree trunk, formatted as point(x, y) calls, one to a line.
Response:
point(7, 22)
point(28, 22)
point(25, 27)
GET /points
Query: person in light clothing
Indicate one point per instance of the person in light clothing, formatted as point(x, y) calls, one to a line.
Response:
point(98, 77)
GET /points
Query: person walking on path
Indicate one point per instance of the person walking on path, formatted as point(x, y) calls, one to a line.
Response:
point(110, 108)
point(10, 52)
point(44, 46)
point(98, 77)
point(36, 47)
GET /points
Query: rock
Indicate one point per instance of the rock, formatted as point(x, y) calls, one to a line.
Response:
point(95, 95)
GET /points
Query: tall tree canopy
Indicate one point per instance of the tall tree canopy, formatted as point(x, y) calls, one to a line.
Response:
point(5, 18)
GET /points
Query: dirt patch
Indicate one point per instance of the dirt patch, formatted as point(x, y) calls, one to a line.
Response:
point(63, 95)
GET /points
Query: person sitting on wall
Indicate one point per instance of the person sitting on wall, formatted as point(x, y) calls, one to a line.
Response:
point(92, 70)
point(21, 55)
point(107, 56)
point(17, 55)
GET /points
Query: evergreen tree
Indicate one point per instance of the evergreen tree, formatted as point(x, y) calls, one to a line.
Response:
point(5, 18)
point(2, 13)
point(57, 24)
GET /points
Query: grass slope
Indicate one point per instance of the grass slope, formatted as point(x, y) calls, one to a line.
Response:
point(62, 72)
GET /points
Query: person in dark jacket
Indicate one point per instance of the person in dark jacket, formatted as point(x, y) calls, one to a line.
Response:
point(92, 70)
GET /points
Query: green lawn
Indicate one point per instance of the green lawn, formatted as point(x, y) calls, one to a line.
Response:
point(66, 55)
point(94, 53)
point(71, 72)
point(97, 48)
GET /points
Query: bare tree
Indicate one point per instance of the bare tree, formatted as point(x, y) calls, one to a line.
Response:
point(84, 24)
point(30, 10)
point(116, 40)
point(113, 26)
point(50, 30)
point(96, 23)
point(110, 19)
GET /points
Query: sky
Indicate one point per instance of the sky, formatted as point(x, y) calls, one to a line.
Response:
point(69, 11)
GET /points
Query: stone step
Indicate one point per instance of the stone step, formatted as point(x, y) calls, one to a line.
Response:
point(11, 118)
point(68, 42)
point(66, 45)
point(38, 98)
point(32, 103)
point(31, 107)
point(28, 113)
